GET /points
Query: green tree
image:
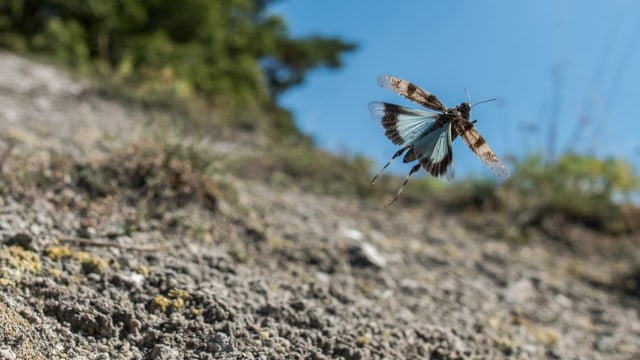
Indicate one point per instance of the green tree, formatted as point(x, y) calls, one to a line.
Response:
point(229, 48)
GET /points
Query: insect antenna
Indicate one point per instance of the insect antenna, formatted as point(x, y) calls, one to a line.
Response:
point(398, 153)
point(406, 180)
point(484, 101)
point(479, 102)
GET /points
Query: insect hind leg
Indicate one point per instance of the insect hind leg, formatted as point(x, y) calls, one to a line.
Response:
point(397, 154)
point(406, 180)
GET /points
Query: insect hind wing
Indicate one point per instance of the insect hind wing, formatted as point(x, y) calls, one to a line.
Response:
point(402, 125)
point(436, 154)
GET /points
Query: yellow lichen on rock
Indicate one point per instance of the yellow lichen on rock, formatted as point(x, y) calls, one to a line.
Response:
point(15, 263)
point(161, 302)
point(179, 294)
point(90, 263)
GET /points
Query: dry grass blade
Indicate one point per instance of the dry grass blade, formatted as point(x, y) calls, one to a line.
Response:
point(105, 243)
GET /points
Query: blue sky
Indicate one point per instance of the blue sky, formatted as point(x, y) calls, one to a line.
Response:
point(573, 65)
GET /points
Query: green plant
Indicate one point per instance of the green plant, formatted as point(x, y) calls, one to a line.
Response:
point(582, 188)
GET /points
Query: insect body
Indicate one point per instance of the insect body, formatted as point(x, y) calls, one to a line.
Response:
point(426, 136)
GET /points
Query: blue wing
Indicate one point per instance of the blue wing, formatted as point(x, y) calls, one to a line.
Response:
point(403, 126)
point(434, 152)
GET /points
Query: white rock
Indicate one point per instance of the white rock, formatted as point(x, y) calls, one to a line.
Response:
point(520, 291)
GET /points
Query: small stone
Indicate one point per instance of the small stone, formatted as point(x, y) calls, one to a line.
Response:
point(35, 229)
point(353, 234)
point(7, 354)
point(605, 343)
point(220, 342)
point(520, 291)
point(366, 254)
point(23, 240)
point(137, 279)
point(164, 352)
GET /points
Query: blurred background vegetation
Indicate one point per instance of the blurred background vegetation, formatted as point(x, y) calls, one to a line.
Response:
point(233, 57)
point(230, 52)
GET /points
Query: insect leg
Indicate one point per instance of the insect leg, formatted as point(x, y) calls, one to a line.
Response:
point(398, 153)
point(406, 180)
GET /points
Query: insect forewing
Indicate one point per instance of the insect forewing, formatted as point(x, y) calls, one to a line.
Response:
point(479, 146)
point(411, 92)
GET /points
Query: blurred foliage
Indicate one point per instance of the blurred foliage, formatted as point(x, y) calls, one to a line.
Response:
point(582, 188)
point(233, 50)
point(574, 175)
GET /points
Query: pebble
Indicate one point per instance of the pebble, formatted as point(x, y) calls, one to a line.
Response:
point(365, 254)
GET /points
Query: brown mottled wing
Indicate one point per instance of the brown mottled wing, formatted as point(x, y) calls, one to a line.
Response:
point(411, 92)
point(479, 146)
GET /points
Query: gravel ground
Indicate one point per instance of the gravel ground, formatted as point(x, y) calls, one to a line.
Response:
point(261, 272)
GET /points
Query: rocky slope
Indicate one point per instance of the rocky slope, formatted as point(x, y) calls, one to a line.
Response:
point(113, 249)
